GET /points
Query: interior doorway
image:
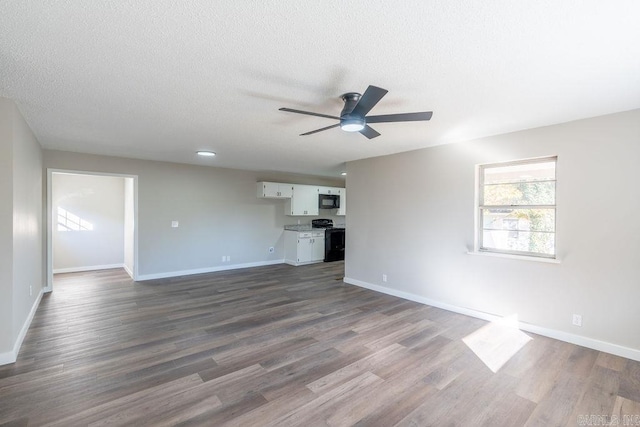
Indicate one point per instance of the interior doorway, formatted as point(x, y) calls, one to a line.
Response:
point(91, 222)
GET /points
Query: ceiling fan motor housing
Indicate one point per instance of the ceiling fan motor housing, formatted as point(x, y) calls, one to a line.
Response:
point(349, 122)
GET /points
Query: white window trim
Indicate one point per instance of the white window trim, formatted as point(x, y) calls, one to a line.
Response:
point(553, 259)
point(520, 257)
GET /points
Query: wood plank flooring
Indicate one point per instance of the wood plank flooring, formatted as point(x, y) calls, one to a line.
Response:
point(292, 346)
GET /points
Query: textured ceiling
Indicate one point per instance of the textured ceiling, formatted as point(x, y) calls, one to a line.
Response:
point(160, 79)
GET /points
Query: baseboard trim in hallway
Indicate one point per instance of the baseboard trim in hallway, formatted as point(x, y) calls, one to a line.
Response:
point(11, 356)
point(168, 274)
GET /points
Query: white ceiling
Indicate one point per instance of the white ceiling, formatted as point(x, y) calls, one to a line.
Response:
point(160, 79)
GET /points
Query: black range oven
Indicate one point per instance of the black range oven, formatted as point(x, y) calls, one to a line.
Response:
point(333, 239)
point(334, 244)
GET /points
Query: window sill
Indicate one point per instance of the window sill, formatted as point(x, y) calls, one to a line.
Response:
point(520, 257)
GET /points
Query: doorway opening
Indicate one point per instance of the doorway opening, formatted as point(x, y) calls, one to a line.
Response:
point(91, 222)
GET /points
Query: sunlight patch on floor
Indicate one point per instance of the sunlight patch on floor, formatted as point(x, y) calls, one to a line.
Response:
point(496, 342)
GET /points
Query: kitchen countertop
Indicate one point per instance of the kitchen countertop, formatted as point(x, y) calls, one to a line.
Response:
point(301, 227)
point(308, 227)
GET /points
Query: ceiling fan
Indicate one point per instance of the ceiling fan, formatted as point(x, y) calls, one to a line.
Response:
point(353, 117)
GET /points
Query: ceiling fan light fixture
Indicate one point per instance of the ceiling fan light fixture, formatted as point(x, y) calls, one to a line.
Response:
point(352, 124)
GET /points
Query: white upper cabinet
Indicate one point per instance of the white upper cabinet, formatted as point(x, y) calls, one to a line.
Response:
point(330, 190)
point(301, 200)
point(342, 192)
point(304, 201)
point(274, 190)
point(342, 210)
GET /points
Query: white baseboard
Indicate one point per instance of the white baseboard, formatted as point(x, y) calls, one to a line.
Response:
point(11, 356)
point(129, 272)
point(167, 274)
point(7, 358)
point(87, 268)
point(607, 347)
point(297, 264)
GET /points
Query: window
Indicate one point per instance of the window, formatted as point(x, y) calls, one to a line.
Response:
point(517, 208)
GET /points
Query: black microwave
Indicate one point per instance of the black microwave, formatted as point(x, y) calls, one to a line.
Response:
point(328, 201)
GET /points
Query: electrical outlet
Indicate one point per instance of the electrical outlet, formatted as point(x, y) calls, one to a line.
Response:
point(272, 249)
point(175, 224)
point(384, 277)
point(30, 290)
point(577, 320)
point(224, 258)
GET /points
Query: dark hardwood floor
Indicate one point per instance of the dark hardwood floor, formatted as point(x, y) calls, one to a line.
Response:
point(291, 346)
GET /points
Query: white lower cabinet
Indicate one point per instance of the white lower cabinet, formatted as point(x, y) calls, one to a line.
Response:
point(317, 246)
point(303, 247)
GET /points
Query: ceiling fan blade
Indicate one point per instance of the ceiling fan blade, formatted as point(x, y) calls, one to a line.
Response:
point(308, 113)
point(320, 130)
point(404, 117)
point(369, 132)
point(368, 100)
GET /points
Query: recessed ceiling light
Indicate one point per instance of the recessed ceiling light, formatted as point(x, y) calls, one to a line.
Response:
point(206, 153)
point(343, 174)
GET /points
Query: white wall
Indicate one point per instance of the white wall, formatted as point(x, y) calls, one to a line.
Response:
point(98, 200)
point(217, 209)
point(27, 221)
point(21, 236)
point(129, 225)
point(426, 198)
point(6, 225)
